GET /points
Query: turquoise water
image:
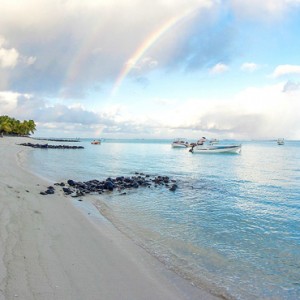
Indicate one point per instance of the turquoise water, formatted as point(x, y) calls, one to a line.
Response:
point(232, 226)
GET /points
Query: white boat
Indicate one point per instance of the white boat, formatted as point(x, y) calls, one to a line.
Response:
point(96, 142)
point(216, 149)
point(280, 141)
point(180, 143)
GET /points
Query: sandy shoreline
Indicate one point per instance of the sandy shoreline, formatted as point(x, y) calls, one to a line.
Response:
point(51, 250)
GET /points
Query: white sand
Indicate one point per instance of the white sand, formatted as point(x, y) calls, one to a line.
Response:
point(51, 250)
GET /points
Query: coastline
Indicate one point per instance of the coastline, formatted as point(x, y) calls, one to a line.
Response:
point(49, 249)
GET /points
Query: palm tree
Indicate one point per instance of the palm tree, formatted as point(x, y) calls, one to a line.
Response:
point(5, 126)
point(12, 126)
point(31, 126)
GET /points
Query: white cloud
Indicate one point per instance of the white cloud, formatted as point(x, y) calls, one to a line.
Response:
point(286, 70)
point(2, 41)
point(252, 113)
point(249, 67)
point(8, 57)
point(93, 40)
point(25, 106)
point(219, 68)
point(263, 10)
point(8, 101)
point(143, 64)
point(77, 45)
point(29, 60)
point(149, 62)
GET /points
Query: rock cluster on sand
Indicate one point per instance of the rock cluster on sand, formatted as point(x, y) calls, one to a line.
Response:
point(121, 183)
point(50, 190)
point(46, 146)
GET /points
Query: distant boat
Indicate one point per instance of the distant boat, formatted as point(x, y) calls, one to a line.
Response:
point(96, 142)
point(180, 143)
point(216, 149)
point(213, 141)
point(280, 141)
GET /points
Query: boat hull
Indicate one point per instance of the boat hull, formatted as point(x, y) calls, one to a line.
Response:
point(217, 149)
point(176, 145)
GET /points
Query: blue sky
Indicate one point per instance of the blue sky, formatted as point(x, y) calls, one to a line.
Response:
point(223, 69)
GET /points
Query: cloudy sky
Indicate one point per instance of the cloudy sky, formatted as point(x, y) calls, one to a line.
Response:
point(152, 69)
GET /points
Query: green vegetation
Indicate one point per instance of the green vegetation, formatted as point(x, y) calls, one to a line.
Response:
point(11, 126)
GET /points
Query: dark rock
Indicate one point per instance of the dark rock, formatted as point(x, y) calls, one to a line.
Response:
point(80, 185)
point(135, 185)
point(119, 183)
point(128, 180)
point(67, 191)
point(108, 185)
point(50, 191)
point(173, 187)
point(46, 146)
point(71, 182)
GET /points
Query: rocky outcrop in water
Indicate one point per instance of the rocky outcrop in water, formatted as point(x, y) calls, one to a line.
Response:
point(69, 140)
point(120, 184)
point(46, 146)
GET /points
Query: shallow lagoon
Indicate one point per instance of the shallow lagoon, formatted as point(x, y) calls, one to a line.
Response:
point(232, 226)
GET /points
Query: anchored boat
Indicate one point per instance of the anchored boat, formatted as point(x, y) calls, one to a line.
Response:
point(180, 143)
point(96, 142)
point(216, 149)
point(280, 141)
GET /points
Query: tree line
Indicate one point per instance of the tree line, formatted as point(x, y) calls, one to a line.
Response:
point(11, 126)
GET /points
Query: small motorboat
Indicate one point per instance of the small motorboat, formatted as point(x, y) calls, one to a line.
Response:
point(96, 142)
point(180, 143)
point(280, 141)
point(216, 149)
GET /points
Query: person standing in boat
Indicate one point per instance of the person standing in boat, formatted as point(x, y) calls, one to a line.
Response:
point(201, 141)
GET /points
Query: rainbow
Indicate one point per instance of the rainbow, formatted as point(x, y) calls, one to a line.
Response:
point(146, 45)
point(79, 59)
point(74, 68)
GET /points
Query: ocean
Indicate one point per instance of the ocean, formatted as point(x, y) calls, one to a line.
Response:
point(231, 227)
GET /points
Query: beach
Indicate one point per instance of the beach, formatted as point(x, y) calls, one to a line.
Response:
point(49, 249)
